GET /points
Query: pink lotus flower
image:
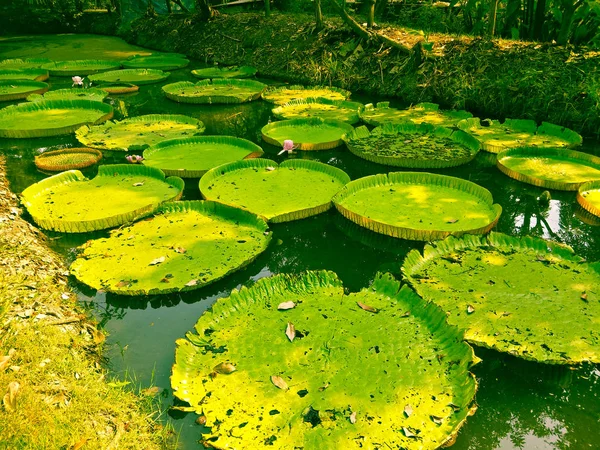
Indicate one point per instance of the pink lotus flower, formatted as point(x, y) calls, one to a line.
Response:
point(288, 146)
point(77, 81)
point(134, 159)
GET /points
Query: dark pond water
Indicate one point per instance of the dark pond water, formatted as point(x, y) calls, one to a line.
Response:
point(522, 405)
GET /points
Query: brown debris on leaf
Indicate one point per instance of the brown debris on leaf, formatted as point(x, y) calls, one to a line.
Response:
point(279, 382)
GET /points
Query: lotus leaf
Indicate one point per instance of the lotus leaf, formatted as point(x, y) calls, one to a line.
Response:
point(215, 91)
point(185, 246)
point(419, 113)
point(225, 72)
point(118, 88)
point(51, 117)
point(70, 203)
point(513, 133)
point(285, 94)
point(24, 74)
point(412, 145)
point(138, 133)
point(92, 94)
point(18, 89)
point(136, 76)
point(26, 63)
point(193, 157)
point(565, 170)
point(295, 189)
point(319, 107)
point(67, 159)
point(307, 134)
point(588, 197)
point(375, 369)
point(81, 67)
point(159, 62)
point(532, 298)
point(418, 206)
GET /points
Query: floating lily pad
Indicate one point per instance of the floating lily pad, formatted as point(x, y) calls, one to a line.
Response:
point(525, 296)
point(419, 113)
point(19, 89)
point(285, 94)
point(92, 94)
point(418, 206)
point(70, 203)
point(319, 107)
point(225, 72)
point(118, 88)
point(375, 369)
point(81, 67)
point(26, 63)
point(295, 189)
point(138, 77)
point(193, 157)
point(51, 117)
point(185, 246)
point(513, 133)
point(215, 91)
point(24, 74)
point(588, 197)
point(307, 134)
point(412, 145)
point(159, 62)
point(564, 170)
point(138, 133)
point(67, 159)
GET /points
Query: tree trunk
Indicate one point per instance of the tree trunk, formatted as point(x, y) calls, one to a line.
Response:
point(318, 15)
point(381, 7)
point(267, 8)
point(169, 9)
point(371, 14)
point(540, 18)
point(204, 9)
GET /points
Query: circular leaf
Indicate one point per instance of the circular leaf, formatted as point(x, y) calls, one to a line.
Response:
point(24, 74)
point(285, 94)
point(307, 134)
point(215, 91)
point(91, 94)
point(80, 67)
point(588, 197)
point(118, 88)
point(67, 159)
point(225, 72)
point(319, 107)
point(19, 89)
point(420, 113)
point(138, 77)
point(25, 63)
point(159, 62)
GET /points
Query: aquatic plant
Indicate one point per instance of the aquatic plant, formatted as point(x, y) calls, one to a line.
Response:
point(319, 107)
point(159, 62)
point(67, 159)
point(77, 68)
point(281, 95)
point(92, 94)
point(215, 91)
point(138, 77)
point(588, 197)
point(307, 134)
point(429, 113)
point(225, 72)
point(19, 89)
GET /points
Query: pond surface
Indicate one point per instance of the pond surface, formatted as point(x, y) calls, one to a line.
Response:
point(522, 405)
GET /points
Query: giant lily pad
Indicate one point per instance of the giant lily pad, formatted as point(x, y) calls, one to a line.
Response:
point(419, 113)
point(525, 296)
point(588, 197)
point(26, 63)
point(19, 89)
point(81, 67)
point(193, 157)
point(418, 206)
point(225, 72)
point(214, 91)
point(135, 76)
point(51, 117)
point(159, 62)
point(92, 94)
point(307, 134)
point(301, 365)
point(138, 133)
point(285, 94)
point(414, 146)
point(120, 193)
point(24, 74)
point(67, 159)
point(319, 107)
point(295, 189)
point(551, 168)
point(118, 88)
point(186, 245)
point(513, 133)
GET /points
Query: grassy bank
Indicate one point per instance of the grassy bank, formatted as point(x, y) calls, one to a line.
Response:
point(495, 79)
point(57, 394)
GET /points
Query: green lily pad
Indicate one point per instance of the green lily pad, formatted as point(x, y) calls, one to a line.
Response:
point(138, 77)
point(295, 189)
point(588, 197)
point(307, 134)
point(282, 95)
point(420, 113)
point(301, 365)
point(118, 88)
point(193, 157)
point(25, 63)
point(525, 296)
point(19, 89)
point(217, 91)
point(67, 159)
point(496, 137)
point(319, 107)
point(138, 133)
point(184, 246)
point(225, 72)
point(24, 74)
point(418, 206)
point(414, 146)
point(159, 62)
point(120, 193)
point(81, 67)
point(51, 117)
point(92, 94)
point(551, 168)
